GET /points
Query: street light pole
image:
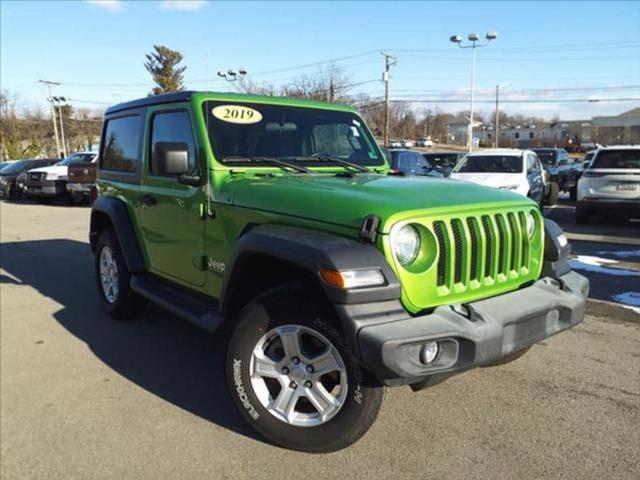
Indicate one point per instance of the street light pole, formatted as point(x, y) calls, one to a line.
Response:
point(473, 91)
point(473, 38)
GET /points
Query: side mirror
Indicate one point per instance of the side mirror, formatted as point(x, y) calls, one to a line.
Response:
point(170, 158)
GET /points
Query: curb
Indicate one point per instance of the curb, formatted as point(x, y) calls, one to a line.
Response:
point(585, 237)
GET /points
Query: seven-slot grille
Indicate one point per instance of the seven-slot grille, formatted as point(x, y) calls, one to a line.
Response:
point(36, 176)
point(476, 249)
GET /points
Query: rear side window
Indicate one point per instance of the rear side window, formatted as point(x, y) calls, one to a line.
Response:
point(121, 144)
point(624, 159)
point(172, 127)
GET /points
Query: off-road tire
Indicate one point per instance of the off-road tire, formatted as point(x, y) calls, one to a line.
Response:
point(508, 358)
point(573, 193)
point(552, 196)
point(299, 304)
point(127, 304)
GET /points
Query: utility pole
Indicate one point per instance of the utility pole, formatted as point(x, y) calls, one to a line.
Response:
point(495, 125)
point(64, 142)
point(49, 83)
point(497, 122)
point(388, 62)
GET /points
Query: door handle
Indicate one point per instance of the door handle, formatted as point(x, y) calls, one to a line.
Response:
point(148, 200)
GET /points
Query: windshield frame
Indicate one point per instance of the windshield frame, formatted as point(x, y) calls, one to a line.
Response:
point(379, 162)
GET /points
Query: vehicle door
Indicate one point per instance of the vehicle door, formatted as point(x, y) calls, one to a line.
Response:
point(173, 224)
point(534, 177)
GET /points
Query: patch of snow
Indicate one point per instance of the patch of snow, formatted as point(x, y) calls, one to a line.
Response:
point(621, 253)
point(628, 298)
point(590, 260)
point(592, 264)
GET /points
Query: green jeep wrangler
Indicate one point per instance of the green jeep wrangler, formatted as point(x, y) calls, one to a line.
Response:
point(278, 222)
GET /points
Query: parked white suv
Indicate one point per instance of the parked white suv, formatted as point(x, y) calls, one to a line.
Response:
point(504, 168)
point(611, 184)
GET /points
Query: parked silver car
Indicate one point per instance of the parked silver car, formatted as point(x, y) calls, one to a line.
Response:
point(611, 184)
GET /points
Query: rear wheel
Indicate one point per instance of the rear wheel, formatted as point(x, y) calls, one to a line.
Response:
point(294, 378)
point(552, 196)
point(573, 193)
point(112, 278)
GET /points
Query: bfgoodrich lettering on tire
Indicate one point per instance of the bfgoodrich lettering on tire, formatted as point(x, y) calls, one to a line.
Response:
point(294, 378)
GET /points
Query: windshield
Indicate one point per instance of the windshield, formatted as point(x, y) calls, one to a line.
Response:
point(490, 164)
point(617, 159)
point(15, 167)
point(241, 131)
point(441, 159)
point(77, 158)
point(548, 157)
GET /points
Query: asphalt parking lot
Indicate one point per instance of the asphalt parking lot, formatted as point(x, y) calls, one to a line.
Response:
point(83, 396)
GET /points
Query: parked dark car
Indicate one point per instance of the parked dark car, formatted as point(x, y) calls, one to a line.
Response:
point(561, 169)
point(443, 161)
point(409, 162)
point(10, 187)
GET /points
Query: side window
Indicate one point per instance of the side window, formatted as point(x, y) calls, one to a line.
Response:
point(121, 141)
point(174, 127)
point(404, 162)
point(420, 161)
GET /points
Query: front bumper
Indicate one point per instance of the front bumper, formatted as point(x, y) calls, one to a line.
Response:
point(79, 187)
point(611, 206)
point(46, 188)
point(472, 335)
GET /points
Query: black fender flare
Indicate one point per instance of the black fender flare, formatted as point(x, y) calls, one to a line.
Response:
point(118, 214)
point(313, 250)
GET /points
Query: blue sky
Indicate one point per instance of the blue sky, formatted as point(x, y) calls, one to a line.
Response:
point(548, 52)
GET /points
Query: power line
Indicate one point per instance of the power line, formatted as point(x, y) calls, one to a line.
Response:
point(528, 100)
point(528, 60)
point(322, 62)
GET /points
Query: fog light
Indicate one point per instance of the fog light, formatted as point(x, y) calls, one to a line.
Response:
point(430, 352)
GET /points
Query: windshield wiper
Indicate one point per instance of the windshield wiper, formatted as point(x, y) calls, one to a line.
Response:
point(272, 161)
point(330, 158)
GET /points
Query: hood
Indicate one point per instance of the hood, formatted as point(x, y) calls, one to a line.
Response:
point(346, 201)
point(495, 180)
point(57, 169)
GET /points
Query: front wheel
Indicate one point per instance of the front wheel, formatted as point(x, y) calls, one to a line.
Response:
point(294, 378)
point(112, 279)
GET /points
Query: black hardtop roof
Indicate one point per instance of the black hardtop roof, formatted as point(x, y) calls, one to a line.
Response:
point(152, 100)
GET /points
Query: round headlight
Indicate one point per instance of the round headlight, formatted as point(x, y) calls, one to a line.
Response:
point(531, 224)
point(406, 244)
